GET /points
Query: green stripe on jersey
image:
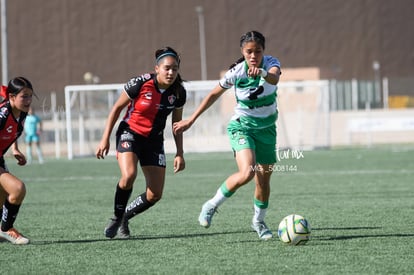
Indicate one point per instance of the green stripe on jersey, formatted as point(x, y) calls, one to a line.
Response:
point(258, 122)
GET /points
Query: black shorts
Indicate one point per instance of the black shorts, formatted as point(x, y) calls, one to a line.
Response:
point(150, 151)
point(3, 164)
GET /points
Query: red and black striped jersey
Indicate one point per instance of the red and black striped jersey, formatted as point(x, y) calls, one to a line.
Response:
point(149, 108)
point(10, 127)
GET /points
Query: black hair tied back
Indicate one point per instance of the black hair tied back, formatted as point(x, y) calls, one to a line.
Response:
point(17, 84)
point(166, 51)
point(251, 36)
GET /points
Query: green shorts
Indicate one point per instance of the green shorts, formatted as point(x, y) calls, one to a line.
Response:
point(261, 141)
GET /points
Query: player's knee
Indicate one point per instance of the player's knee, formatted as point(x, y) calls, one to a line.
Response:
point(18, 194)
point(248, 175)
point(154, 197)
point(127, 181)
point(245, 176)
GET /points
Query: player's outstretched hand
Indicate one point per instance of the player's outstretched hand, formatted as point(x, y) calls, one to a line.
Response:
point(181, 126)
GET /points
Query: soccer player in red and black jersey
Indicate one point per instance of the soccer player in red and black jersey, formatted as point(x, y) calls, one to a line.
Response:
point(149, 99)
point(16, 101)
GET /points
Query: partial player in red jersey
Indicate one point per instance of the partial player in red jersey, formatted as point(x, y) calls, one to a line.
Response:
point(16, 101)
point(149, 99)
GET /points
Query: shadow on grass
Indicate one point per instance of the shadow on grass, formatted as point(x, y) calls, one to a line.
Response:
point(336, 238)
point(198, 235)
point(138, 238)
point(348, 228)
point(359, 236)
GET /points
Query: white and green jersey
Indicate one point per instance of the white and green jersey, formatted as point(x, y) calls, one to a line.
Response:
point(256, 99)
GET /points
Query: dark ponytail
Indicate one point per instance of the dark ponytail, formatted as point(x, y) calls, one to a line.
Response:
point(241, 59)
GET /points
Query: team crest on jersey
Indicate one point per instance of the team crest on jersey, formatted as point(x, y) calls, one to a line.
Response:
point(148, 95)
point(171, 99)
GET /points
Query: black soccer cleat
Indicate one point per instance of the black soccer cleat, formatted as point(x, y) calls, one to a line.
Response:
point(123, 231)
point(112, 228)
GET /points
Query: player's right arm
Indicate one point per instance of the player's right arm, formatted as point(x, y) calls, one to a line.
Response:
point(183, 125)
point(120, 104)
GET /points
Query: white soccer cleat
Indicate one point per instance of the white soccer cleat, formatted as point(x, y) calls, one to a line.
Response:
point(207, 212)
point(13, 236)
point(262, 230)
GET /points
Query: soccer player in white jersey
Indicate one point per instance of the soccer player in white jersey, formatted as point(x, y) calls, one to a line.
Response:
point(252, 129)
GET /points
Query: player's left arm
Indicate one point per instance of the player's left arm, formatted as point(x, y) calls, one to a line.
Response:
point(273, 75)
point(179, 162)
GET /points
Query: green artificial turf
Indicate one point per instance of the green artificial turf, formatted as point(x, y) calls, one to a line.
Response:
point(358, 201)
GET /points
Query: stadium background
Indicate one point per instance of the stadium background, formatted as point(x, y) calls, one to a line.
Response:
point(54, 43)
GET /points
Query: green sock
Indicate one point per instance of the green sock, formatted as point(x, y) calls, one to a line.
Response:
point(226, 191)
point(261, 204)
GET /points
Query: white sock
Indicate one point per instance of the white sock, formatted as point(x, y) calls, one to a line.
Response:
point(218, 198)
point(259, 214)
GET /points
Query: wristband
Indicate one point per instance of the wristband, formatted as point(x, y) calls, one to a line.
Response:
point(263, 73)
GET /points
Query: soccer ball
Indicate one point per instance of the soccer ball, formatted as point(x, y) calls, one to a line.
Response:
point(294, 230)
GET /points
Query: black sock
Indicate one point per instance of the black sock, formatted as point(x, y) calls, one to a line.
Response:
point(121, 200)
point(1, 214)
point(139, 205)
point(9, 215)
